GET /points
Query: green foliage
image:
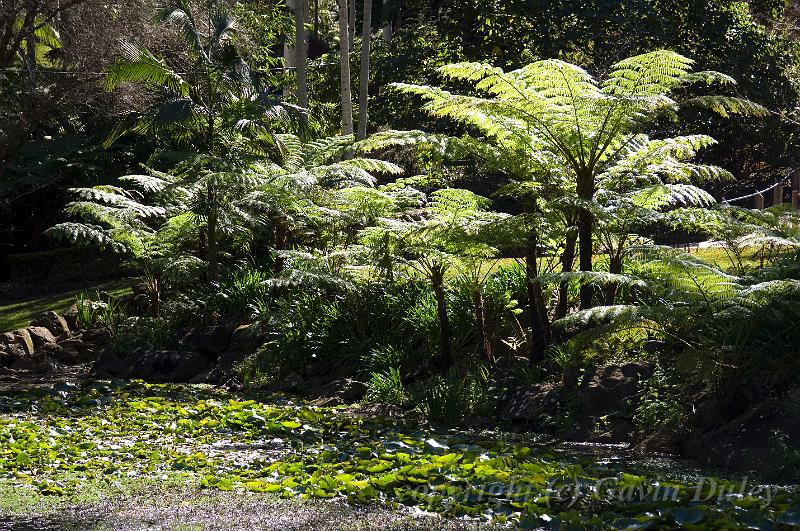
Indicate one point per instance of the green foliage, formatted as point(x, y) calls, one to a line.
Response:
point(97, 312)
point(387, 388)
point(451, 399)
point(133, 333)
point(662, 404)
point(245, 292)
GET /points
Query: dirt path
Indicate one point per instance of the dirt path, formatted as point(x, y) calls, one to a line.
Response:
point(181, 507)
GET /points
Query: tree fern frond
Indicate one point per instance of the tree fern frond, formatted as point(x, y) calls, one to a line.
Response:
point(707, 77)
point(84, 234)
point(595, 278)
point(117, 199)
point(390, 139)
point(146, 183)
point(728, 105)
point(373, 166)
point(647, 74)
point(670, 195)
point(603, 314)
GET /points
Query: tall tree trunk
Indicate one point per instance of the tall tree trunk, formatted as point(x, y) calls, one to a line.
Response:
point(351, 24)
point(289, 53)
point(316, 19)
point(344, 63)
point(585, 191)
point(363, 91)
point(480, 324)
point(445, 344)
point(301, 52)
point(387, 32)
point(567, 259)
point(538, 339)
point(30, 51)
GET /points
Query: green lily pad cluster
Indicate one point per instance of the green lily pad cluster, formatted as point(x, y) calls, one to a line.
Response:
point(56, 440)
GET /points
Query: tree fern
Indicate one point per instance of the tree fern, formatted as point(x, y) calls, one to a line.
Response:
point(573, 134)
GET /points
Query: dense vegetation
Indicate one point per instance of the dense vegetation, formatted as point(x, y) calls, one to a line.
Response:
point(496, 227)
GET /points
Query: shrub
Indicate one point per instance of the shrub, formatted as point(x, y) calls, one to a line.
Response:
point(93, 312)
point(661, 404)
point(141, 332)
point(243, 292)
point(451, 399)
point(387, 388)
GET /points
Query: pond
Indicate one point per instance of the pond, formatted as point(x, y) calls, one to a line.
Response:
point(116, 450)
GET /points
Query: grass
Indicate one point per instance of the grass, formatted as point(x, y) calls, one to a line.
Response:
point(19, 314)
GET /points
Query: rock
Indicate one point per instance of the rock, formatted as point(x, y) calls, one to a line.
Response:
point(38, 363)
point(70, 356)
point(72, 343)
point(213, 340)
point(89, 352)
point(341, 392)
point(21, 338)
point(765, 438)
point(664, 441)
point(533, 404)
point(330, 401)
point(55, 323)
point(97, 335)
point(608, 402)
point(291, 383)
point(6, 358)
point(79, 351)
point(611, 386)
point(7, 338)
point(602, 407)
point(13, 353)
point(71, 317)
point(206, 377)
point(157, 366)
point(245, 340)
point(40, 336)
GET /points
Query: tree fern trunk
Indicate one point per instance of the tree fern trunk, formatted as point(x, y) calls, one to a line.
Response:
point(567, 260)
point(363, 91)
point(615, 266)
point(344, 63)
point(211, 242)
point(538, 338)
point(585, 191)
point(316, 19)
point(480, 324)
point(445, 343)
point(279, 245)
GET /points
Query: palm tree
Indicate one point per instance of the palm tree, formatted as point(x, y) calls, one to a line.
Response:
point(213, 104)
